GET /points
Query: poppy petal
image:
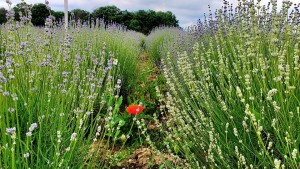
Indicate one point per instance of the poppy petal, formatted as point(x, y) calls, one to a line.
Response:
point(135, 109)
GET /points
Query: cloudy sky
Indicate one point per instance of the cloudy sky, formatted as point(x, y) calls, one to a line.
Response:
point(186, 11)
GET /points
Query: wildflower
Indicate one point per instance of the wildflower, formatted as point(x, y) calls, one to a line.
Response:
point(271, 93)
point(8, 2)
point(89, 113)
point(73, 137)
point(33, 126)
point(135, 109)
point(68, 149)
point(26, 155)
point(5, 93)
point(2, 78)
point(294, 154)
point(123, 137)
point(115, 62)
point(277, 163)
point(11, 130)
point(58, 136)
point(28, 134)
point(239, 92)
point(11, 110)
point(235, 132)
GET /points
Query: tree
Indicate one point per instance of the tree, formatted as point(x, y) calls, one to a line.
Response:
point(141, 20)
point(80, 14)
point(39, 14)
point(166, 18)
point(59, 15)
point(143, 17)
point(2, 15)
point(108, 13)
point(126, 17)
point(134, 25)
point(144, 21)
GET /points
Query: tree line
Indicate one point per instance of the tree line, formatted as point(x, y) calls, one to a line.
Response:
point(142, 20)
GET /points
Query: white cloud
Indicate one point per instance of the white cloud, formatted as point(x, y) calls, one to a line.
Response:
point(186, 11)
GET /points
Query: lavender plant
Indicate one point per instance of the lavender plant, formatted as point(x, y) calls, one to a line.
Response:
point(233, 100)
point(60, 91)
point(164, 39)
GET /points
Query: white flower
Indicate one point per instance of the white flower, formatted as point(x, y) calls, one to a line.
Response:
point(294, 154)
point(26, 155)
point(99, 129)
point(235, 132)
point(277, 163)
point(271, 93)
point(115, 62)
point(239, 92)
point(73, 137)
point(28, 134)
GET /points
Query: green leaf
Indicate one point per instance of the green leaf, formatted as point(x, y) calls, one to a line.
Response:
point(257, 115)
point(144, 116)
point(117, 133)
point(119, 102)
point(161, 166)
point(176, 149)
point(119, 119)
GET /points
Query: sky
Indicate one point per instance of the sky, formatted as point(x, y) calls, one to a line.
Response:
point(186, 11)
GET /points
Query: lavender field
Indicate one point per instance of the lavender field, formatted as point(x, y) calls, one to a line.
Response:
point(221, 94)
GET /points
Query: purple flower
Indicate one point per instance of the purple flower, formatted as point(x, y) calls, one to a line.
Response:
point(25, 7)
point(2, 78)
point(65, 74)
point(8, 2)
point(20, 52)
point(45, 63)
point(23, 44)
point(33, 126)
point(11, 130)
point(110, 62)
point(10, 14)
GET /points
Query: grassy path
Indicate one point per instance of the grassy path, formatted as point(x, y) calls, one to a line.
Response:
point(148, 78)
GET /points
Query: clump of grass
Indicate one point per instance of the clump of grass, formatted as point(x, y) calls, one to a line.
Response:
point(233, 100)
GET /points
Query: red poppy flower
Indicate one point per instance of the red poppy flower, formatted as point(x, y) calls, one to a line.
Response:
point(134, 109)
